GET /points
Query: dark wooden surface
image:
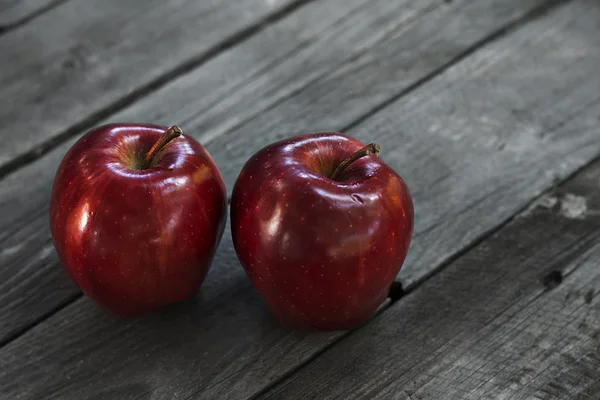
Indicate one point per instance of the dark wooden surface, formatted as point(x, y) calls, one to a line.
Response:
point(480, 106)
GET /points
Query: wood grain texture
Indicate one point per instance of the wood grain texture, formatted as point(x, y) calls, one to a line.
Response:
point(17, 12)
point(518, 317)
point(260, 81)
point(82, 60)
point(223, 344)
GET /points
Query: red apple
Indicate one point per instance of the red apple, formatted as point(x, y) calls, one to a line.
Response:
point(136, 215)
point(321, 226)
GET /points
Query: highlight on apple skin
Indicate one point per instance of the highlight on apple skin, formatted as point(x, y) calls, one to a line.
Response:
point(137, 213)
point(322, 226)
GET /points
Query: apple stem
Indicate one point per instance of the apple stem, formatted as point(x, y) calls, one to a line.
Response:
point(170, 134)
point(371, 148)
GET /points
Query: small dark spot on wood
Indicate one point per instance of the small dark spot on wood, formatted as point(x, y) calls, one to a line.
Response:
point(552, 280)
point(69, 64)
point(589, 296)
point(410, 395)
point(396, 292)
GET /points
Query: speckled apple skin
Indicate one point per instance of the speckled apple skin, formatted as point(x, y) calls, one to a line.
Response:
point(135, 240)
point(321, 253)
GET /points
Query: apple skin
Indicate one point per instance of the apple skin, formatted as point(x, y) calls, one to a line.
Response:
point(321, 253)
point(133, 239)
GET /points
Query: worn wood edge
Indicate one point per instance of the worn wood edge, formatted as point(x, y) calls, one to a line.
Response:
point(26, 157)
point(69, 289)
point(22, 18)
point(567, 203)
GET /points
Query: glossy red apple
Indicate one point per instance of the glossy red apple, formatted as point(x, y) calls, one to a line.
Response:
point(321, 226)
point(136, 215)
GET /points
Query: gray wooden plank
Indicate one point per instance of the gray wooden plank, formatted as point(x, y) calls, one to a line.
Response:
point(288, 60)
point(16, 12)
point(84, 59)
point(518, 317)
point(226, 338)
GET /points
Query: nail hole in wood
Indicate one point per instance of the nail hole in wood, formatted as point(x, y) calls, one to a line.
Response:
point(396, 292)
point(552, 280)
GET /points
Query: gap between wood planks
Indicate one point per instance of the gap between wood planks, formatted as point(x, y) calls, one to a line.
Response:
point(148, 88)
point(397, 290)
point(40, 319)
point(9, 26)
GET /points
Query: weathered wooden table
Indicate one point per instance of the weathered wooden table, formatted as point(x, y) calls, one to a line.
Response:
point(489, 109)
